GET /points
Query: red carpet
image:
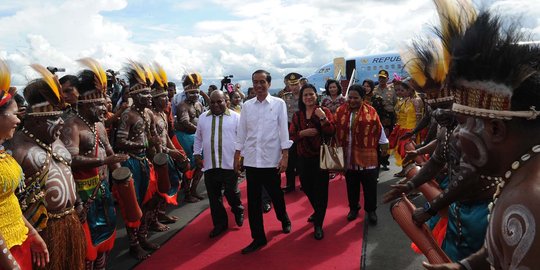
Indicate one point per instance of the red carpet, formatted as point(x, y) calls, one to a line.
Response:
point(341, 247)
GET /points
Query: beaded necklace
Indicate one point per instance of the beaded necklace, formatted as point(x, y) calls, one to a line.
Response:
point(46, 147)
point(506, 178)
point(145, 123)
point(93, 129)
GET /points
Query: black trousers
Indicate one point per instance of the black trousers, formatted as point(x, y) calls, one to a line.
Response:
point(315, 184)
point(270, 180)
point(368, 179)
point(226, 181)
point(292, 165)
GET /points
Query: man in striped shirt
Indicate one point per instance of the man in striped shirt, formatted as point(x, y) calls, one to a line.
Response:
point(215, 129)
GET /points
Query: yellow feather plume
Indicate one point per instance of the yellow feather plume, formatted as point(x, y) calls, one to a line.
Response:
point(141, 74)
point(49, 78)
point(149, 74)
point(161, 74)
point(454, 16)
point(100, 74)
point(414, 66)
point(5, 77)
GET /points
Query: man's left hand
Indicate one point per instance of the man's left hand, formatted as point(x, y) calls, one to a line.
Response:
point(282, 166)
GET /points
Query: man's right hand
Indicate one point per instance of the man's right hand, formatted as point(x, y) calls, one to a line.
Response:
point(237, 164)
point(116, 158)
point(395, 192)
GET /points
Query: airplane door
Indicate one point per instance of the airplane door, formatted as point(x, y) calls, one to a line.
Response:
point(350, 66)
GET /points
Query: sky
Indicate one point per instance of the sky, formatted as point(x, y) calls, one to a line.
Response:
point(217, 37)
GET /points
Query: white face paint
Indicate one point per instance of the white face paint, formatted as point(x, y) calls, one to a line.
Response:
point(54, 126)
point(471, 143)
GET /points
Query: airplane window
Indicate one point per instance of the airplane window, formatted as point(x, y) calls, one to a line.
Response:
point(393, 66)
point(386, 66)
point(363, 69)
point(399, 65)
point(369, 68)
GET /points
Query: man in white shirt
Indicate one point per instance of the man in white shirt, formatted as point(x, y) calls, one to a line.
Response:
point(263, 140)
point(215, 129)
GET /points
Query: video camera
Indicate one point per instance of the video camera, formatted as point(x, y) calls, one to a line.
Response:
point(225, 81)
point(53, 70)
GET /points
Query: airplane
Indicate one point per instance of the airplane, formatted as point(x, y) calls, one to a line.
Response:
point(365, 67)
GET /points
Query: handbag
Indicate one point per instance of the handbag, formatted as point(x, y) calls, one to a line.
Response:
point(331, 156)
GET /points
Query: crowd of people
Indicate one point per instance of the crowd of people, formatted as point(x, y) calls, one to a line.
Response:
point(462, 128)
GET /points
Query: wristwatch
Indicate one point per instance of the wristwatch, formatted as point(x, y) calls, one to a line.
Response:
point(323, 118)
point(429, 210)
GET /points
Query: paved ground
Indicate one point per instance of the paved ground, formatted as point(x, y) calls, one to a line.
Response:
point(386, 246)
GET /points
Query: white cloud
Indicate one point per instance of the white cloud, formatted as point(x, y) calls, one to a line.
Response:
point(277, 35)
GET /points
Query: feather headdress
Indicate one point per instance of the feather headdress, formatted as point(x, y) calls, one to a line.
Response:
point(192, 81)
point(93, 82)
point(159, 87)
point(5, 83)
point(491, 74)
point(138, 77)
point(43, 95)
point(428, 60)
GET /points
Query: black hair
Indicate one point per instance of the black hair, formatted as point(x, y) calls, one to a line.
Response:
point(171, 84)
point(249, 90)
point(268, 76)
point(213, 87)
point(32, 93)
point(4, 107)
point(358, 88)
point(87, 81)
point(327, 85)
point(72, 79)
point(370, 83)
point(301, 104)
point(19, 99)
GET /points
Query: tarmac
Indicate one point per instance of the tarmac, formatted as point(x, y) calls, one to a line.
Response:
point(386, 247)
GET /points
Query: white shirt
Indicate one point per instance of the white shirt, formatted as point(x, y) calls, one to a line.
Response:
point(263, 132)
point(215, 139)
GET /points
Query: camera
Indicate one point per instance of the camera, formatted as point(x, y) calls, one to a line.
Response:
point(111, 73)
point(225, 81)
point(53, 70)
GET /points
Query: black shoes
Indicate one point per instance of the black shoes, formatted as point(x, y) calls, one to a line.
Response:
point(266, 207)
point(217, 231)
point(287, 189)
point(254, 246)
point(311, 218)
point(372, 218)
point(352, 215)
point(385, 168)
point(286, 226)
point(319, 234)
point(239, 219)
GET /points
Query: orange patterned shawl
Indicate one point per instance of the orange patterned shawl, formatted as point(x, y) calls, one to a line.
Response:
point(365, 136)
